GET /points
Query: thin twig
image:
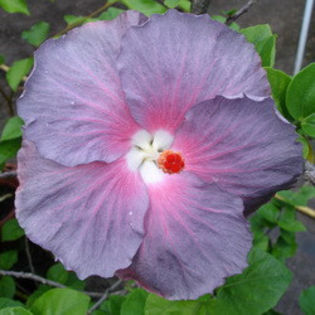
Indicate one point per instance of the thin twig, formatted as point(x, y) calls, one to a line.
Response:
point(28, 255)
point(5, 96)
point(99, 10)
point(31, 276)
point(200, 6)
point(9, 174)
point(8, 101)
point(240, 12)
point(306, 210)
point(5, 197)
point(104, 296)
point(4, 67)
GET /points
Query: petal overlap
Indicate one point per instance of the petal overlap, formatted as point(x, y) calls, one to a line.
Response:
point(241, 145)
point(90, 216)
point(145, 140)
point(196, 236)
point(73, 104)
point(177, 60)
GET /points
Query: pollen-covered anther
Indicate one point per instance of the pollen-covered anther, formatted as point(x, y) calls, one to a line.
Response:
point(171, 162)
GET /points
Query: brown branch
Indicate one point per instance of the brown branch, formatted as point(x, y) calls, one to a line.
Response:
point(200, 6)
point(8, 101)
point(99, 10)
point(31, 276)
point(5, 197)
point(239, 13)
point(104, 296)
point(28, 255)
point(9, 174)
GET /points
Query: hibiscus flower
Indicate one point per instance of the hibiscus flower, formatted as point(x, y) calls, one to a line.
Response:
point(144, 141)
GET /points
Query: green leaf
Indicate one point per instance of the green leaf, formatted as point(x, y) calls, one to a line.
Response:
point(234, 26)
point(36, 294)
point(71, 19)
point(8, 259)
point(306, 146)
point(57, 273)
point(265, 42)
point(61, 302)
point(257, 33)
point(267, 51)
point(279, 82)
point(269, 212)
point(218, 18)
point(256, 290)
point(229, 12)
point(147, 7)
point(112, 306)
point(14, 6)
point(110, 14)
point(288, 222)
point(17, 71)
point(1, 59)
point(298, 198)
point(300, 99)
point(12, 129)
point(285, 246)
point(308, 125)
point(156, 305)
point(134, 303)
point(73, 282)
point(258, 224)
point(17, 310)
point(171, 3)
point(37, 33)
point(11, 231)
point(262, 242)
point(307, 301)
point(74, 19)
point(9, 149)
point(185, 5)
point(222, 19)
point(7, 287)
point(6, 302)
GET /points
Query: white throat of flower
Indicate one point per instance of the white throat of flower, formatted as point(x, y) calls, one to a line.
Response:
point(146, 149)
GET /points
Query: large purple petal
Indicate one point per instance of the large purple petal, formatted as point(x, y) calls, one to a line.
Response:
point(73, 105)
point(90, 216)
point(177, 60)
point(242, 145)
point(195, 236)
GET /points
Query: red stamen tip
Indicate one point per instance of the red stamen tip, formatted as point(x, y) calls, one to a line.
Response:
point(171, 162)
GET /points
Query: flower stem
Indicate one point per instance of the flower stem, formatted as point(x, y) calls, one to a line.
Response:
point(303, 209)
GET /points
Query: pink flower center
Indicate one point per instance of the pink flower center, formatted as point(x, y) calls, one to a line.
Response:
point(171, 162)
